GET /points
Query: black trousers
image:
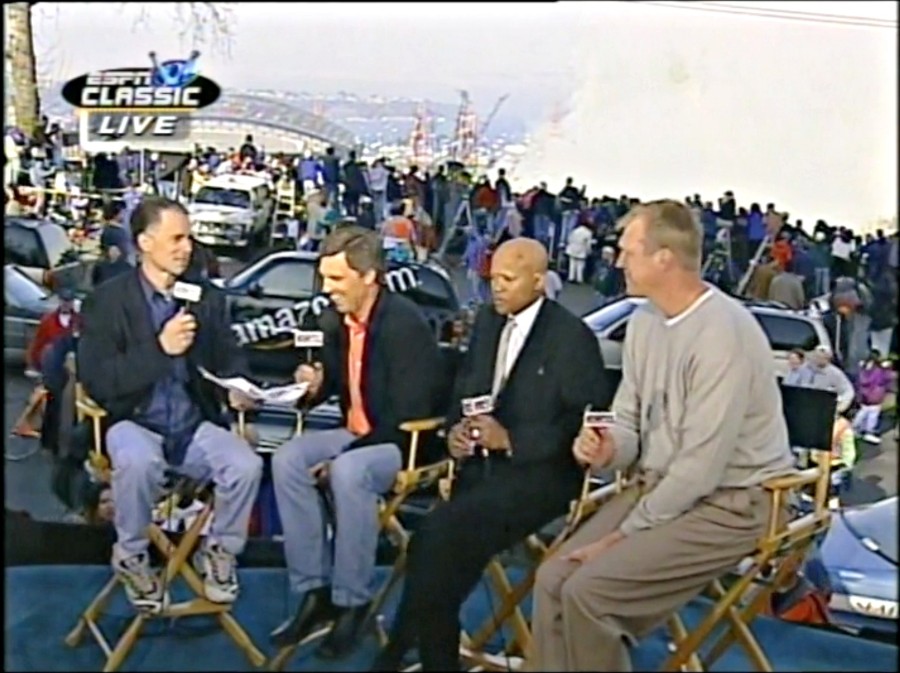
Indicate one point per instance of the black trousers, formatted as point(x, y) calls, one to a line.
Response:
point(494, 506)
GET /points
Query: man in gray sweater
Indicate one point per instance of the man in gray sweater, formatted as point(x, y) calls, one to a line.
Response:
point(698, 417)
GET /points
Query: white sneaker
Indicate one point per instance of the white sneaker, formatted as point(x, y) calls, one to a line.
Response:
point(871, 438)
point(143, 586)
point(218, 568)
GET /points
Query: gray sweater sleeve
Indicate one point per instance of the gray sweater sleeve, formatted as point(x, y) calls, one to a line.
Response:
point(716, 394)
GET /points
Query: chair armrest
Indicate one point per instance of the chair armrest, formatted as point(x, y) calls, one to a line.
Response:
point(86, 405)
point(414, 428)
point(792, 481)
point(423, 424)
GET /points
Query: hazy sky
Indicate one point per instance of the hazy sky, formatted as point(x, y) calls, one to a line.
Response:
point(533, 51)
point(666, 99)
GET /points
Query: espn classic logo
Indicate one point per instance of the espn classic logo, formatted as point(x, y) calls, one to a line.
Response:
point(134, 104)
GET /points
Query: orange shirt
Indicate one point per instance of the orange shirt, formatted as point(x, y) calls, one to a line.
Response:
point(400, 227)
point(357, 423)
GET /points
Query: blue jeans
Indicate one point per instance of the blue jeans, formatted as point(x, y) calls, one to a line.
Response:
point(139, 472)
point(542, 226)
point(357, 479)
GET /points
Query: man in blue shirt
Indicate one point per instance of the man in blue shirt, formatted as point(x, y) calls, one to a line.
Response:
point(138, 359)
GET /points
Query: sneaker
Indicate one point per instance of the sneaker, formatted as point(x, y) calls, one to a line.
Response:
point(218, 568)
point(871, 438)
point(143, 586)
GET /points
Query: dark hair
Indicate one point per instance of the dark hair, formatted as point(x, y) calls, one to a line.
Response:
point(90, 500)
point(363, 248)
point(150, 211)
point(799, 353)
point(111, 211)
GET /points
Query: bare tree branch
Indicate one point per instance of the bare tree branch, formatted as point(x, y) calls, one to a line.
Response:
point(206, 24)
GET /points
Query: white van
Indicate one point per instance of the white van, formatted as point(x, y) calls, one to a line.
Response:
point(232, 210)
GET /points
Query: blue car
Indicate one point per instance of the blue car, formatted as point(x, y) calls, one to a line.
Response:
point(859, 557)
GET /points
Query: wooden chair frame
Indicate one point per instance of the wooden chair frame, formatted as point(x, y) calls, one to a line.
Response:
point(511, 595)
point(408, 481)
point(177, 565)
point(779, 554)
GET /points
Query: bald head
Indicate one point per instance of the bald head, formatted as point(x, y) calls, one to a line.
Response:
point(518, 268)
point(525, 252)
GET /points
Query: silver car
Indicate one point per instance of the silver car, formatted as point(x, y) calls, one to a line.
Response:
point(25, 303)
point(786, 329)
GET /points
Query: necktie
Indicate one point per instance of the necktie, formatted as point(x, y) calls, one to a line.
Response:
point(502, 351)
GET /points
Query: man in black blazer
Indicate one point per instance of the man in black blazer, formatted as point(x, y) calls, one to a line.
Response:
point(138, 357)
point(543, 367)
point(381, 358)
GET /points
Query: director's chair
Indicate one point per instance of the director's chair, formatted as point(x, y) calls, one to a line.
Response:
point(743, 594)
point(532, 552)
point(176, 556)
point(411, 480)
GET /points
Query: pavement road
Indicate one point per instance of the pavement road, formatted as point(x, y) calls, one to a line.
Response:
point(28, 469)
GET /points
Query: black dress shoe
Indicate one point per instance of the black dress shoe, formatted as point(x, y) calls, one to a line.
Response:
point(390, 658)
point(315, 610)
point(345, 633)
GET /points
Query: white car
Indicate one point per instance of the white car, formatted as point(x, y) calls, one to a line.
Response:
point(786, 329)
point(232, 210)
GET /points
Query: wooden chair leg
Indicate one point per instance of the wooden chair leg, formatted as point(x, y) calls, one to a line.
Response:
point(740, 620)
point(679, 633)
point(123, 646)
point(93, 611)
point(691, 643)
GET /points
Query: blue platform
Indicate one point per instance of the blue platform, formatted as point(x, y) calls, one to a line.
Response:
point(43, 604)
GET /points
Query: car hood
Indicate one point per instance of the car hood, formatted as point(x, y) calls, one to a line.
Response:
point(216, 213)
point(853, 568)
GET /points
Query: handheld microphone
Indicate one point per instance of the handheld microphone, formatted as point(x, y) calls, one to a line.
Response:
point(309, 339)
point(598, 420)
point(477, 406)
point(189, 293)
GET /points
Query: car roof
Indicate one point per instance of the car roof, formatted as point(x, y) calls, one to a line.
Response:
point(236, 181)
point(754, 305)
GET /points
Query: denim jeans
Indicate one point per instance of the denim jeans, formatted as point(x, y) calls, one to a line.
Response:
point(357, 479)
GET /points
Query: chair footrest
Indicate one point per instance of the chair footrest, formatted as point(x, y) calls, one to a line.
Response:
point(196, 606)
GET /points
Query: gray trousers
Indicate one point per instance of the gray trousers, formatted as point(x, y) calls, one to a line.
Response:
point(586, 616)
point(357, 479)
point(139, 473)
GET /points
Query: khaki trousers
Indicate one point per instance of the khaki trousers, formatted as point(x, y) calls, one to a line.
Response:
point(586, 616)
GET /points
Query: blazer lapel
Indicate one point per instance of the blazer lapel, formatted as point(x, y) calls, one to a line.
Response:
point(533, 347)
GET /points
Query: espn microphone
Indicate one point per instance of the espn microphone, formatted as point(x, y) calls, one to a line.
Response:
point(309, 339)
point(598, 420)
point(477, 406)
point(189, 293)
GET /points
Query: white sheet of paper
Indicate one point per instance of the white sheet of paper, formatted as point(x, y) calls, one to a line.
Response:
point(278, 396)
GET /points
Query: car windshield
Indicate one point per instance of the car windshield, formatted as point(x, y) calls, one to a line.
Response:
point(21, 291)
point(877, 523)
point(56, 242)
point(235, 198)
point(610, 314)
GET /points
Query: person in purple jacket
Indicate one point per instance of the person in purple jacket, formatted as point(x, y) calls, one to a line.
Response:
point(872, 384)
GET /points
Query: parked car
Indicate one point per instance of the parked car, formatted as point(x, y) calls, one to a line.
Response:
point(859, 558)
point(281, 293)
point(41, 250)
point(26, 302)
point(786, 329)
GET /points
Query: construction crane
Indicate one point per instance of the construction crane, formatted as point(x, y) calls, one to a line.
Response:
point(492, 114)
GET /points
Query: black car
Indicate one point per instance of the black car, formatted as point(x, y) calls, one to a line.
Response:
point(281, 293)
point(25, 303)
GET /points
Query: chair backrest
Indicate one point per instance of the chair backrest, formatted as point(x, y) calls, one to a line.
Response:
point(810, 416)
